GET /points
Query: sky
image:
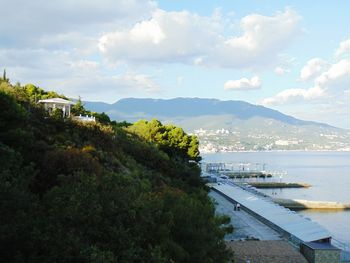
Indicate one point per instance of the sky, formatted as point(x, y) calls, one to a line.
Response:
point(292, 56)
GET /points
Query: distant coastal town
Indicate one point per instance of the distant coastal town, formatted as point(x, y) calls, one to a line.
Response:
point(225, 140)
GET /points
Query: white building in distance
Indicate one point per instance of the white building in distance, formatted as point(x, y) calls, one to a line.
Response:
point(58, 103)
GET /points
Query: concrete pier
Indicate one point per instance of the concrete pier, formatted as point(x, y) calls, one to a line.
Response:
point(299, 204)
point(292, 225)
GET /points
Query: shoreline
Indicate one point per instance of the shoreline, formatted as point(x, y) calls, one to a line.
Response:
point(277, 185)
point(275, 151)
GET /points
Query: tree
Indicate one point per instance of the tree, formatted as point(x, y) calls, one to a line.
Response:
point(34, 92)
point(120, 124)
point(13, 118)
point(171, 139)
point(57, 114)
point(193, 149)
point(4, 78)
point(101, 117)
point(78, 108)
point(12, 113)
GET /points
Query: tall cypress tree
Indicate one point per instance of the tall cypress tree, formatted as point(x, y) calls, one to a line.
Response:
point(4, 76)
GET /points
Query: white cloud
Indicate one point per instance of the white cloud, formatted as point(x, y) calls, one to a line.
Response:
point(76, 42)
point(166, 37)
point(293, 96)
point(84, 65)
point(331, 82)
point(67, 37)
point(263, 38)
point(336, 79)
point(286, 62)
point(183, 37)
point(137, 81)
point(35, 64)
point(281, 71)
point(74, 76)
point(53, 44)
point(243, 84)
point(328, 86)
point(344, 48)
point(107, 88)
point(312, 68)
point(24, 22)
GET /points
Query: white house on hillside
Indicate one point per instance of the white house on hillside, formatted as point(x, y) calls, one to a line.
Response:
point(58, 103)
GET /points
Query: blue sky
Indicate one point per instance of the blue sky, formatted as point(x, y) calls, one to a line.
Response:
point(293, 56)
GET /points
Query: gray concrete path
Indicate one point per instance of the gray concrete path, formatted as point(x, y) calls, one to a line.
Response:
point(244, 224)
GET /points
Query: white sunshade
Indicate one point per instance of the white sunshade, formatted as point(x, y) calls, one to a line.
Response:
point(58, 101)
point(293, 223)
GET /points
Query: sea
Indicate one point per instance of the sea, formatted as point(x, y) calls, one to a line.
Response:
point(328, 173)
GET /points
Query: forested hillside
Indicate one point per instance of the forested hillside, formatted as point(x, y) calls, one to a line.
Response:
point(99, 192)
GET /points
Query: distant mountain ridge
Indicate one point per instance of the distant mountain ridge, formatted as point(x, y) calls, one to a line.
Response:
point(191, 107)
point(230, 125)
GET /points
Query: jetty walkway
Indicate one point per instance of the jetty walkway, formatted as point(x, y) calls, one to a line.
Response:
point(291, 225)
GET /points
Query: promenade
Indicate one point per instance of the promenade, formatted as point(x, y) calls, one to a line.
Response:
point(245, 225)
point(269, 249)
point(291, 225)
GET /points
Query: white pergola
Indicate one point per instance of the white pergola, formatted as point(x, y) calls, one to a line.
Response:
point(58, 103)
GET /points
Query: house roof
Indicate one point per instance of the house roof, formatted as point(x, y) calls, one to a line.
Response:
point(57, 101)
point(324, 246)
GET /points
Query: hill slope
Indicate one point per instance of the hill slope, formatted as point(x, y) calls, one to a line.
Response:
point(191, 107)
point(231, 125)
point(74, 191)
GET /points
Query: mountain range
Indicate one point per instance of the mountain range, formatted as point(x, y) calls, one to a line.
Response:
point(230, 125)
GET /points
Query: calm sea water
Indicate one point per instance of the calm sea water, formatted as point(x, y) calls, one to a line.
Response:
point(328, 173)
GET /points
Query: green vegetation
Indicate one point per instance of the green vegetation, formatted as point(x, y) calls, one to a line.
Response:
point(171, 139)
point(78, 109)
point(100, 192)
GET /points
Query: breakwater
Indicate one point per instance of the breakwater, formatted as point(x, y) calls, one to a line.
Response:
point(298, 204)
point(278, 185)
